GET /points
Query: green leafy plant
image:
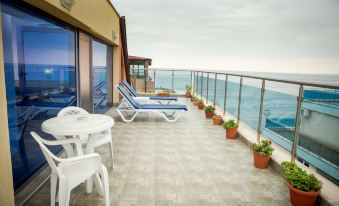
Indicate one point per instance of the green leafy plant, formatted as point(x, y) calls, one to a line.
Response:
point(201, 101)
point(209, 108)
point(299, 178)
point(217, 117)
point(194, 98)
point(188, 88)
point(263, 147)
point(230, 124)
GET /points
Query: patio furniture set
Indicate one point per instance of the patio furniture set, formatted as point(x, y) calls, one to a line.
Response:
point(80, 132)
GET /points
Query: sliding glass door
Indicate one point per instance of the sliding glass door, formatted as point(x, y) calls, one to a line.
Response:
point(101, 77)
point(39, 57)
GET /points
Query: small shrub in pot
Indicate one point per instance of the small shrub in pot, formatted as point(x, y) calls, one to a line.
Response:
point(262, 151)
point(231, 129)
point(304, 188)
point(217, 119)
point(201, 104)
point(188, 90)
point(209, 111)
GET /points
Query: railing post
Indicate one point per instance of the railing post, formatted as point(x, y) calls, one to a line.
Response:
point(202, 80)
point(297, 123)
point(239, 100)
point(225, 95)
point(208, 78)
point(196, 83)
point(135, 81)
point(172, 82)
point(191, 80)
point(193, 85)
point(261, 108)
point(215, 88)
point(154, 80)
point(145, 82)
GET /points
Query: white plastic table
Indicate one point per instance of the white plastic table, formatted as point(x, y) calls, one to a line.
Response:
point(77, 126)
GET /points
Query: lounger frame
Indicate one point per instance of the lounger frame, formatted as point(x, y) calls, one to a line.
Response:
point(128, 112)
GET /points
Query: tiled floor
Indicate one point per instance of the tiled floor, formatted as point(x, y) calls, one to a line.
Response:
point(184, 163)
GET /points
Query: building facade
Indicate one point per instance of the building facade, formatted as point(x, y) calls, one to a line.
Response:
point(54, 54)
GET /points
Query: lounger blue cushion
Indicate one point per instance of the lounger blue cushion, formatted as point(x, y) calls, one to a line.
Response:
point(156, 98)
point(136, 105)
point(128, 97)
point(164, 106)
point(130, 89)
point(163, 98)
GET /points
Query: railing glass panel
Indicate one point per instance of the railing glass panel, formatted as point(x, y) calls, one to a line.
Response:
point(279, 112)
point(181, 79)
point(250, 102)
point(211, 84)
point(318, 134)
point(163, 80)
point(232, 95)
point(204, 85)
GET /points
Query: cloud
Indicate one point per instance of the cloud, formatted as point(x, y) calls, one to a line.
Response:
point(196, 33)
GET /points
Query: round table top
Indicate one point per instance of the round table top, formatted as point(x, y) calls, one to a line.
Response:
point(81, 124)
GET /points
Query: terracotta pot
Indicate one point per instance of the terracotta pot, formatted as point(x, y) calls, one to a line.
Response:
point(200, 105)
point(217, 121)
point(164, 94)
point(231, 133)
point(260, 162)
point(301, 198)
point(188, 94)
point(209, 114)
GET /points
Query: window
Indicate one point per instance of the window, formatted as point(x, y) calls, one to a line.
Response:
point(39, 58)
point(102, 81)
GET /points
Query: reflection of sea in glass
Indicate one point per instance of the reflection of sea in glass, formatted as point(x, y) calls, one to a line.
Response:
point(99, 77)
point(40, 80)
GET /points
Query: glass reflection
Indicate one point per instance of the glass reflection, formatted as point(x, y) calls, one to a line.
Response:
point(39, 65)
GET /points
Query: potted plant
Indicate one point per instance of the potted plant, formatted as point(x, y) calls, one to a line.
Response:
point(262, 151)
point(188, 90)
point(304, 188)
point(164, 93)
point(201, 104)
point(217, 119)
point(194, 97)
point(195, 100)
point(231, 129)
point(209, 111)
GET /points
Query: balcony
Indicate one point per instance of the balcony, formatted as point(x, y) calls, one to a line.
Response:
point(184, 163)
point(191, 163)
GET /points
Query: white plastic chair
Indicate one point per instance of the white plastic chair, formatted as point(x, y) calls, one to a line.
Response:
point(102, 138)
point(73, 171)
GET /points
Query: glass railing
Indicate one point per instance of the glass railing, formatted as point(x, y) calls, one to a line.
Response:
point(301, 117)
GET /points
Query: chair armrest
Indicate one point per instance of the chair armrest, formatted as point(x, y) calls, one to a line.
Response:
point(65, 141)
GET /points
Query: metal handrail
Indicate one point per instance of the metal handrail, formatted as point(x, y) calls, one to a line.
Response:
point(305, 83)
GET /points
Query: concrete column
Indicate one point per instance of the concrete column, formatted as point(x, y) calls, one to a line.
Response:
point(6, 178)
point(116, 71)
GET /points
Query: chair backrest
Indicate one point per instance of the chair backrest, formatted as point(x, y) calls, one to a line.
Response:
point(50, 157)
point(71, 111)
point(126, 96)
point(129, 88)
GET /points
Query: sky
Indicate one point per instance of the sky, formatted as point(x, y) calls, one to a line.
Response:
point(263, 35)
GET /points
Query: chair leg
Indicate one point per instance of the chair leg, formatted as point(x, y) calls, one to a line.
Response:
point(98, 184)
point(111, 153)
point(104, 180)
point(64, 192)
point(54, 182)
